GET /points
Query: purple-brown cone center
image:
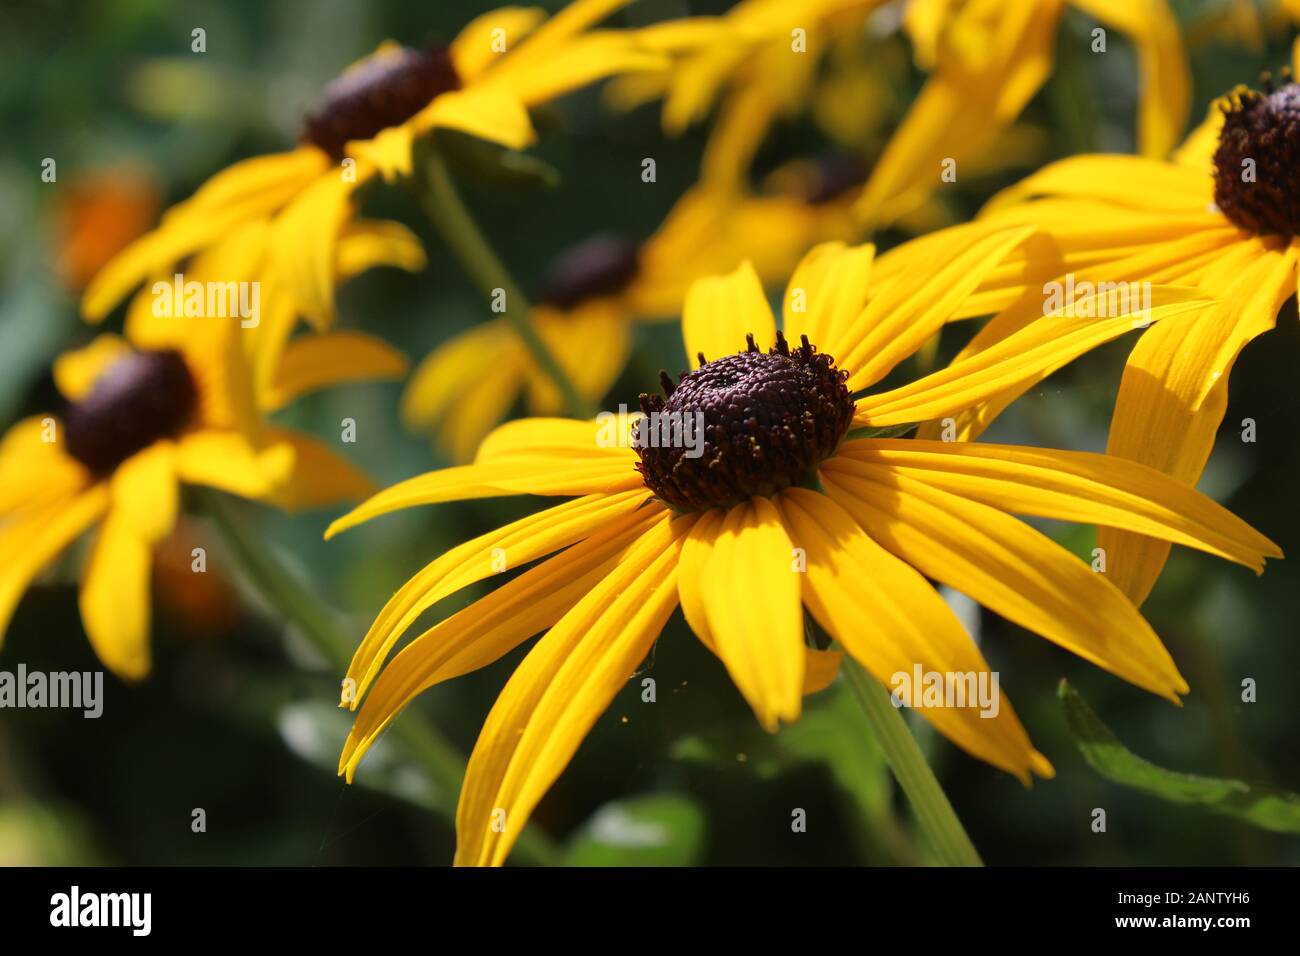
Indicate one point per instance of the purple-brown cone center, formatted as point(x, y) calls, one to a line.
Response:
point(139, 399)
point(603, 265)
point(765, 419)
point(1257, 163)
point(385, 90)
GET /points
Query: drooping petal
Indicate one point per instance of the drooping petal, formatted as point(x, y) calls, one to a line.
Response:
point(1011, 569)
point(114, 598)
point(891, 620)
point(560, 689)
point(226, 460)
point(493, 114)
point(748, 588)
point(324, 359)
point(1172, 398)
point(248, 190)
point(1068, 485)
point(556, 437)
point(30, 542)
point(145, 492)
point(479, 43)
point(506, 548)
point(319, 476)
point(721, 310)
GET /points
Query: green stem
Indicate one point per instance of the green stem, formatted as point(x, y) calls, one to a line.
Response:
point(442, 204)
point(934, 814)
point(280, 588)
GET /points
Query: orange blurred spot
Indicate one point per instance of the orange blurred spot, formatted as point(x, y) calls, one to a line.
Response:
point(97, 214)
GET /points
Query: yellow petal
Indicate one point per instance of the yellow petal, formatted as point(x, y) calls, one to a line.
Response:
point(225, 460)
point(145, 492)
point(248, 190)
point(493, 114)
point(890, 620)
point(1068, 485)
point(561, 438)
point(114, 598)
point(318, 477)
point(477, 46)
point(29, 543)
point(1047, 344)
point(558, 692)
point(541, 477)
point(365, 244)
point(826, 292)
point(1011, 569)
point(313, 362)
point(304, 240)
point(507, 548)
point(748, 587)
point(1172, 399)
point(721, 310)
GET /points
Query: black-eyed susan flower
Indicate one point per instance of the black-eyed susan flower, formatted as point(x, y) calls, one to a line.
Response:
point(364, 127)
point(986, 60)
point(1222, 215)
point(172, 402)
point(778, 508)
point(596, 291)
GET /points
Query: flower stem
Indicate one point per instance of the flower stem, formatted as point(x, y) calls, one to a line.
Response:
point(281, 589)
point(934, 814)
point(440, 201)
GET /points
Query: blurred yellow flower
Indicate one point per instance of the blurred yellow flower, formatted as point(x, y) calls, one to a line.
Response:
point(171, 403)
point(482, 84)
point(786, 506)
point(1221, 215)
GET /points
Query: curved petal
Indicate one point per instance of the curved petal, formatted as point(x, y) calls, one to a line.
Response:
point(475, 48)
point(1068, 485)
point(560, 689)
point(145, 491)
point(76, 372)
point(891, 620)
point(1012, 570)
point(114, 598)
point(748, 588)
point(30, 542)
point(312, 362)
point(225, 460)
point(721, 310)
point(826, 292)
point(560, 438)
point(318, 477)
point(492, 626)
point(1172, 398)
point(506, 548)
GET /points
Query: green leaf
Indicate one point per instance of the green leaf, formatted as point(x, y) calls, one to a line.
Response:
point(1265, 807)
point(665, 829)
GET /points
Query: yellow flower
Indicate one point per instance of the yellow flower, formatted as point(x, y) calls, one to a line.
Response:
point(987, 59)
point(1221, 215)
point(595, 292)
point(784, 509)
point(172, 403)
point(501, 64)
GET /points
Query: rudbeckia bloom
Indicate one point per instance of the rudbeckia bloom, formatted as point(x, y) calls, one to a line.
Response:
point(368, 120)
point(1221, 214)
point(987, 59)
point(594, 293)
point(784, 508)
point(171, 403)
